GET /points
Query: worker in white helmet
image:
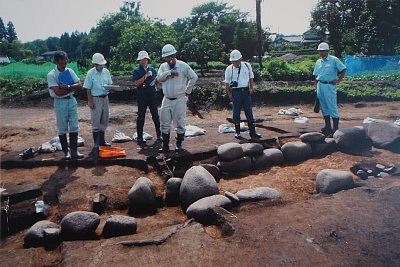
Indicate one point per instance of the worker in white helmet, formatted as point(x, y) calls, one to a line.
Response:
point(177, 79)
point(326, 72)
point(144, 77)
point(239, 86)
point(97, 78)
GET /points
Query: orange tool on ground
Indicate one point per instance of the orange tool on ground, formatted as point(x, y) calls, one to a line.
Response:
point(111, 152)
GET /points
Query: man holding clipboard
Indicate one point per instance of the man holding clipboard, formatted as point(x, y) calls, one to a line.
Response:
point(62, 83)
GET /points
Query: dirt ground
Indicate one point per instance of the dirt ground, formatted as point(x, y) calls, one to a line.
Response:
point(358, 227)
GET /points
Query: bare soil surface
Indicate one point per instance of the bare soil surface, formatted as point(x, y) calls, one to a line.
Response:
point(357, 227)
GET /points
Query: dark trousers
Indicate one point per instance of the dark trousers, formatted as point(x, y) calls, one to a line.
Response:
point(242, 98)
point(147, 98)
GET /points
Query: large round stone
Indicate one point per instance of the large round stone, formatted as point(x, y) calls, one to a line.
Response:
point(79, 224)
point(234, 166)
point(330, 181)
point(142, 194)
point(296, 151)
point(199, 209)
point(313, 137)
point(197, 183)
point(35, 236)
point(257, 194)
point(172, 191)
point(269, 157)
point(351, 139)
point(211, 168)
point(326, 147)
point(229, 151)
point(118, 225)
point(252, 149)
point(384, 135)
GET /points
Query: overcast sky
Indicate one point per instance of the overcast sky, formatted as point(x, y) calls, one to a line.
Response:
point(39, 19)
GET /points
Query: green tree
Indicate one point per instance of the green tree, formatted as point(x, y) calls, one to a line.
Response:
point(16, 50)
point(378, 29)
point(335, 18)
point(37, 46)
point(146, 35)
point(65, 43)
point(221, 15)
point(3, 32)
point(11, 34)
point(201, 44)
point(52, 43)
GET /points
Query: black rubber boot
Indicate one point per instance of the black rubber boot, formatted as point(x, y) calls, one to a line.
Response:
point(96, 142)
point(179, 140)
point(96, 139)
point(335, 124)
point(165, 143)
point(327, 130)
point(252, 130)
point(237, 129)
point(158, 132)
point(73, 145)
point(102, 140)
point(64, 146)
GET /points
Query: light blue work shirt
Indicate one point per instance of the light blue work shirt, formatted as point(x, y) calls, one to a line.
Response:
point(52, 81)
point(327, 69)
point(96, 80)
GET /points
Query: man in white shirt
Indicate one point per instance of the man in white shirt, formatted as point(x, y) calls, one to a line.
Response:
point(96, 80)
point(239, 86)
point(177, 79)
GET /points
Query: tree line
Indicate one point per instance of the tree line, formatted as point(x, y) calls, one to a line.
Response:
point(370, 27)
point(212, 30)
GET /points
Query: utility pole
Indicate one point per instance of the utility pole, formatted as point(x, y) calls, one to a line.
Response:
point(259, 31)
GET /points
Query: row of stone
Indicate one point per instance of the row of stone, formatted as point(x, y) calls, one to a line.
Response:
point(77, 225)
point(235, 157)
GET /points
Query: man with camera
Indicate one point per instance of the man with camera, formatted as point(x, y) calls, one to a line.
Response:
point(144, 77)
point(239, 86)
point(177, 79)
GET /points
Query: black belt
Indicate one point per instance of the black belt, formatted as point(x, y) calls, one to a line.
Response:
point(241, 88)
point(100, 96)
point(172, 98)
point(67, 97)
point(326, 82)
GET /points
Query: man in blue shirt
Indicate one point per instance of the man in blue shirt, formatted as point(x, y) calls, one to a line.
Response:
point(326, 72)
point(96, 79)
point(144, 78)
point(62, 83)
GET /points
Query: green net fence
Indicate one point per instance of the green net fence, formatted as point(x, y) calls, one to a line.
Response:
point(22, 70)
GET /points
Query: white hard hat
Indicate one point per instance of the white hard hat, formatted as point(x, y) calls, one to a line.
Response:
point(142, 55)
point(168, 50)
point(323, 47)
point(235, 55)
point(98, 59)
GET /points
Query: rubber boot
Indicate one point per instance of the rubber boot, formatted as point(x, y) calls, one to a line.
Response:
point(165, 143)
point(237, 129)
point(158, 132)
point(335, 124)
point(73, 144)
point(64, 146)
point(179, 140)
point(102, 140)
point(96, 143)
point(327, 130)
point(252, 130)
